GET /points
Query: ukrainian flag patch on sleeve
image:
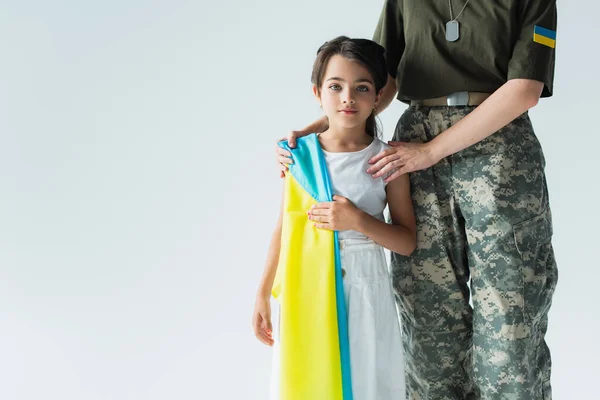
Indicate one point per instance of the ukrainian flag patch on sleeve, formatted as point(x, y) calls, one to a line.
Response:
point(544, 36)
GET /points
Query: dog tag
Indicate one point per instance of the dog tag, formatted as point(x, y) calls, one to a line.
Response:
point(452, 34)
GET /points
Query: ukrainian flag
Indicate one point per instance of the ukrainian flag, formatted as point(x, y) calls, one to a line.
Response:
point(315, 352)
point(544, 36)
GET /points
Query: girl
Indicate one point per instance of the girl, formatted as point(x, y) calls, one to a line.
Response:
point(348, 76)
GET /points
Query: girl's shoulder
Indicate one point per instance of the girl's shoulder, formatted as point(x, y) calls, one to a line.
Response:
point(380, 145)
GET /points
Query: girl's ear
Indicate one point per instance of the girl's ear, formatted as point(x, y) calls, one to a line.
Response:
point(316, 93)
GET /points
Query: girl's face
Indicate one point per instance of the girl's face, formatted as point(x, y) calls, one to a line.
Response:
point(347, 93)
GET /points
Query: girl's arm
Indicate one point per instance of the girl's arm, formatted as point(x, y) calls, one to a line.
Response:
point(261, 319)
point(266, 281)
point(399, 236)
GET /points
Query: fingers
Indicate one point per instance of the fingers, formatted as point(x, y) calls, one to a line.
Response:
point(262, 334)
point(376, 169)
point(323, 205)
point(319, 218)
point(284, 160)
point(267, 329)
point(389, 168)
point(382, 161)
point(283, 156)
point(319, 215)
point(282, 169)
point(292, 140)
point(282, 152)
point(339, 198)
point(319, 211)
point(324, 226)
point(267, 326)
point(380, 155)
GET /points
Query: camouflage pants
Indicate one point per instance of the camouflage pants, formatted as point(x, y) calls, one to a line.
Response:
point(483, 231)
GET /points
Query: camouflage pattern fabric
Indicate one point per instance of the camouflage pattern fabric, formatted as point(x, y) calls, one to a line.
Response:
point(483, 230)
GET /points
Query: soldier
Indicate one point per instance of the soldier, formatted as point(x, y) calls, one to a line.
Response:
point(470, 71)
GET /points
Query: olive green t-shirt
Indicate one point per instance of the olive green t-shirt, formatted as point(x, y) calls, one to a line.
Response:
point(499, 40)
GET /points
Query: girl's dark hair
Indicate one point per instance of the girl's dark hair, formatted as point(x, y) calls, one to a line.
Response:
point(365, 52)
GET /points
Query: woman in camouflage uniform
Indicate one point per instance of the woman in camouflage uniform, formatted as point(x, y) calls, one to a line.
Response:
point(476, 168)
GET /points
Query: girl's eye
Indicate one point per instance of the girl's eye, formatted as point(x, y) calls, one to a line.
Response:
point(362, 88)
point(335, 87)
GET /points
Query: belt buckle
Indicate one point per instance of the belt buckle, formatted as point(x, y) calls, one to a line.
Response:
point(458, 99)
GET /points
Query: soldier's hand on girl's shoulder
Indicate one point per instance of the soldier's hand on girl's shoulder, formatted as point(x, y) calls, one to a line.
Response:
point(283, 156)
point(403, 157)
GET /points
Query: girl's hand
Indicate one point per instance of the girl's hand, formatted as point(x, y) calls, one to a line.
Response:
point(261, 320)
point(337, 215)
point(403, 157)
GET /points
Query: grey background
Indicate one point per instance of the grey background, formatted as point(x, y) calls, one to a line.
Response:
point(138, 189)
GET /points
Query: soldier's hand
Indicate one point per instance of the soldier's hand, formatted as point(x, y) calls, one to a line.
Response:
point(283, 156)
point(402, 158)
